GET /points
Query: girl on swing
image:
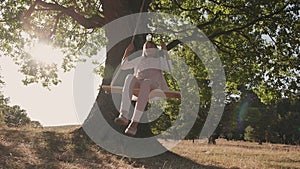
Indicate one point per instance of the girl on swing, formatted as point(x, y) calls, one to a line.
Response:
point(148, 75)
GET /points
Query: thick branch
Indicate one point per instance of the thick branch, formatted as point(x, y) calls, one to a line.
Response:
point(172, 44)
point(88, 23)
point(28, 13)
point(56, 23)
point(237, 29)
point(176, 42)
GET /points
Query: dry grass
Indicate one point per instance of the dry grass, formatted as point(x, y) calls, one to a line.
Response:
point(62, 148)
point(32, 148)
point(237, 154)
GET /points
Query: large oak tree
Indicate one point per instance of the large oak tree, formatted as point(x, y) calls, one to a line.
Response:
point(258, 41)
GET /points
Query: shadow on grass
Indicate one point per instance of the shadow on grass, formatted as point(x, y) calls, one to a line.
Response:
point(168, 160)
point(73, 150)
point(49, 150)
point(13, 147)
point(55, 150)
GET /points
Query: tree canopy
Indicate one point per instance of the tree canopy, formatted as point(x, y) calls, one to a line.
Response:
point(257, 41)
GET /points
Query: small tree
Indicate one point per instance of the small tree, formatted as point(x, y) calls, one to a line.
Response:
point(16, 117)
point(36, 124)
point(3, 101)
point(249, 134)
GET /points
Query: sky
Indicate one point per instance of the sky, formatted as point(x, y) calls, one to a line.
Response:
point(51, 108)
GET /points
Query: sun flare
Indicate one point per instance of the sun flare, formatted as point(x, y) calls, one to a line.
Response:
point(45, 53)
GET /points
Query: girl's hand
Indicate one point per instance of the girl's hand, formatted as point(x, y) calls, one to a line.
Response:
point(128, 50)
point(130, 47)
point(164, 46)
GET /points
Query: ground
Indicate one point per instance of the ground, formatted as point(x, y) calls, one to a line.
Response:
point(65, 147)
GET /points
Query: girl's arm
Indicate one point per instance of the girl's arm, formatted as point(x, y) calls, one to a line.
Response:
point(128, 51)
point(166, 54)
point(130, 64)
point(125, 64)
point(164, 48)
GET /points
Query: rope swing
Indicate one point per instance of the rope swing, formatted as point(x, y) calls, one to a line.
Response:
point(155, 92)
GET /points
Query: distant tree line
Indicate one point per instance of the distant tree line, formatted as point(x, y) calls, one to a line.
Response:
point(251, 120)
point(247, 118)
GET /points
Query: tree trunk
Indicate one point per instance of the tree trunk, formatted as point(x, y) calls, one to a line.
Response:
point(114, 10)
point(212, 139)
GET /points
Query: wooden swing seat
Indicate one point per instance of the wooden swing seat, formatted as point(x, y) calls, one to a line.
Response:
point(153, 93)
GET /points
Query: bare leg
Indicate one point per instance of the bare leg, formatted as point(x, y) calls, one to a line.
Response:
point(145, 88)
point(129, 84)
point(143, 96)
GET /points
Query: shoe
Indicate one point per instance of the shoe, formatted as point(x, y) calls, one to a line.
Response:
point(131, 129)
point(121, 120)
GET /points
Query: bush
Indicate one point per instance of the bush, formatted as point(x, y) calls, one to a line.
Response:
point(249, 134)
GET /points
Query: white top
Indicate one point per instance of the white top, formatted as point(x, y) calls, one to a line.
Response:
point(143, 63)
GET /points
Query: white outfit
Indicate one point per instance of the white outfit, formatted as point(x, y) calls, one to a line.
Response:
point(142, 63)
point(147, 75)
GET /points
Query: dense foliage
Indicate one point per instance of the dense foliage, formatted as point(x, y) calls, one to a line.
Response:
point(251, 120)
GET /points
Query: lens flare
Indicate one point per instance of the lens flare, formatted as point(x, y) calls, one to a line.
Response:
point(45, 53)
point(241, 114)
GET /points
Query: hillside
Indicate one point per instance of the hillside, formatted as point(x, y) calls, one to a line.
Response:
point(63, 147)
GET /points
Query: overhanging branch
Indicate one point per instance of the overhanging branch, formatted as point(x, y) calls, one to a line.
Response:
point(89, 23)
point(55, 24)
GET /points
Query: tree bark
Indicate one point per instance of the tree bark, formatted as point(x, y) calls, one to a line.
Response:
point(113, 10)
point(99, 125)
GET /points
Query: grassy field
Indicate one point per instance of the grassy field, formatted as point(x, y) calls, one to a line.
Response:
point(237, 154)
point(63, 148)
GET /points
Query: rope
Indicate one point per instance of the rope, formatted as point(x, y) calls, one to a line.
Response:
point(169, 67)
point(138, 20)
point(133, 37)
